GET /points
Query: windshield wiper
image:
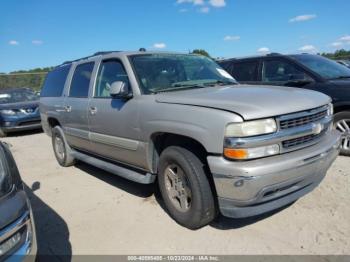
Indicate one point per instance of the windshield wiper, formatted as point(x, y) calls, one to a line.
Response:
point(178, 87)
point(220, 82)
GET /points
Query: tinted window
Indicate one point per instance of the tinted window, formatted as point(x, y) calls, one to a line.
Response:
point(325, 67)
point(81, 80)
point(110, 71)
point(227, 65)
point(245, 71)
point(55, 81)
point(281, 71)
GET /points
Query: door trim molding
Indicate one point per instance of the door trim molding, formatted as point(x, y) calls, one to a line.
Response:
point(77, 132)
point(114, 141)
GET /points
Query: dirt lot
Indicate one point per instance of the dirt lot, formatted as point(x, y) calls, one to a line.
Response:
point(83, 210)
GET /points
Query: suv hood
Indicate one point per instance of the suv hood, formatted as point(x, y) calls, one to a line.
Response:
point(251, 102)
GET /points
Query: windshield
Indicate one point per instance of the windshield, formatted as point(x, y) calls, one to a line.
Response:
point(17, 95)
point(325, 67)
point(169, 72)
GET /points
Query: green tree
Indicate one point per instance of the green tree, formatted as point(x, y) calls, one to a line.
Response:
point(338, 54)
point(200, 52)
point(24, 78)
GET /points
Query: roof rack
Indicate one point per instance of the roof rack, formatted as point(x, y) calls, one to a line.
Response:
point(105, 52)
point(272, 54)
point(87, 57)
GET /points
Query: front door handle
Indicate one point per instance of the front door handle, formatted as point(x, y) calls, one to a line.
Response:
point(93, 110)
point(68, 109)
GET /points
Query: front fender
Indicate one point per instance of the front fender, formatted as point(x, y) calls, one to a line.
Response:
point(205, 125)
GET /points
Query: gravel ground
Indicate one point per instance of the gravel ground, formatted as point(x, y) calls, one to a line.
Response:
point(84, 210)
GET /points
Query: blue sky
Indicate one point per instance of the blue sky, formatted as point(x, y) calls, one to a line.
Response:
point(38, 33)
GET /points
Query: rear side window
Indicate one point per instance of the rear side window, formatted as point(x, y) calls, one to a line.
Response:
point(227, 65)
point(81, 80)
point(245, 71)
point(55, 81)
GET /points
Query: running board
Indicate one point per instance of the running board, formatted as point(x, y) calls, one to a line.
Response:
point(147, 178)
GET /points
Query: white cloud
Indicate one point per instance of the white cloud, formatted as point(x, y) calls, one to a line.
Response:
point(205, 5)
point(308, 48)
point(232, 38)
point(217, 3)
point(337, 44)
point(195, 2)
point(345, 38)
point(159, 45)
point(13, 42)
point(263, 50)
point(37, 42)
point(302, 18)
point(204, 10)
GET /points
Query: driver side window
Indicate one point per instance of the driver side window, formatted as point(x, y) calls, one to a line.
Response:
point(110, 71)
point(281, 71)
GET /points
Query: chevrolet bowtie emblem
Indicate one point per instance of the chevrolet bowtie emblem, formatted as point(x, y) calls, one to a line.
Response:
point(317, 128)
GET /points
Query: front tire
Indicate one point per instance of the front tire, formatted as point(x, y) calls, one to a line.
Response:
point(342, 124)
point(60, 148)
point(185, 188)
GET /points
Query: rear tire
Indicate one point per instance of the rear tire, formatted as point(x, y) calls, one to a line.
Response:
point(61, 148)
point(342, 124)
point(185, 189)
point(3, 133)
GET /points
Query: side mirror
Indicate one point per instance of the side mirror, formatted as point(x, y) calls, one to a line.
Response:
point(119, 89)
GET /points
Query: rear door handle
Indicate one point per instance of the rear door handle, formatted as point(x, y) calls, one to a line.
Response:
point(68, 109)
point(93, 110)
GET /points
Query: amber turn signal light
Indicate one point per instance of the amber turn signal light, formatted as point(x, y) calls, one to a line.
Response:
point(236, 153)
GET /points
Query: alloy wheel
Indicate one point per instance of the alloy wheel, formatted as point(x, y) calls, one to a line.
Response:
point(178, 189)
point(59, 147)
point(344, 127)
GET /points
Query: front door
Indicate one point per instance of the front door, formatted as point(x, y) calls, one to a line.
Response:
point(280, 72)
point(114, 132)
point(76, 107)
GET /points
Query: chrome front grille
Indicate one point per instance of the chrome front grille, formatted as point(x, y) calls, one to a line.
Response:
point(303, 120)
point(317, 122)
point(301, 140)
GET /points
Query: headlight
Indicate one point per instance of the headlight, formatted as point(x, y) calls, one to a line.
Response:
point(251, 128)
point(330, 110)
point(8, 112)
point(5, 181)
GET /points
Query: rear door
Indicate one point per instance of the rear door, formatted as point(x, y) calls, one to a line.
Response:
point(245, 71)
point(76, 106)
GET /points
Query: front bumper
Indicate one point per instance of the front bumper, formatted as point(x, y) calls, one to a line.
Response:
point(254, 187)
point(21, 124)
point(17, 205)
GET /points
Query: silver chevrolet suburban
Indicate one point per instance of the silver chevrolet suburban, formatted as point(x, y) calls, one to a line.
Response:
point(181, 120)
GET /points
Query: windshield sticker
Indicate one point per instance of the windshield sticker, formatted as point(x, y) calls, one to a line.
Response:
point(224, 73)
